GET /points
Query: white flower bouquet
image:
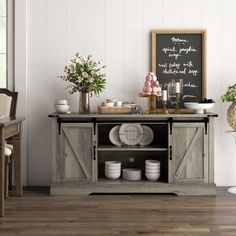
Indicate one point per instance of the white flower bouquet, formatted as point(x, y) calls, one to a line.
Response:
point(85, 75)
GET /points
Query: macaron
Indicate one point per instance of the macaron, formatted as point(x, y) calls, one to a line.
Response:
point(154, 78)
point(155, 83)
point(144, 89)
point(151, 73)
point(149, 89)
point(148, 78)
point(155, 89)
point(147, 83)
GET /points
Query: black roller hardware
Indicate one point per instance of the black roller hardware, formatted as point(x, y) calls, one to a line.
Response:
point(94, 153)
point(170, 152)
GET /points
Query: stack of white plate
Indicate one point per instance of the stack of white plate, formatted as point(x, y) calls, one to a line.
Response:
point(152, 170)
point(112, 169)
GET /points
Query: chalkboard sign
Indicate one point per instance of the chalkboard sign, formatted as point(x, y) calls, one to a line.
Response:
point(180, 54)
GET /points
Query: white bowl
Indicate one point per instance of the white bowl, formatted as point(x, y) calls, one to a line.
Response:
point(152, 163)
point(109, 104)
point(118, 104)
point(61, 102)
point(152, 167)
point(112, 171)
point(60, 108)
point(152, 171)
point(199, 107)
point(152, 177)
point(112, 168)
point(112, 164)
point(148, 171)
point(132, 174)
point(112, 175)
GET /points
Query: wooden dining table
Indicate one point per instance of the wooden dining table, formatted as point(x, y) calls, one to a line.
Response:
point(10, 128)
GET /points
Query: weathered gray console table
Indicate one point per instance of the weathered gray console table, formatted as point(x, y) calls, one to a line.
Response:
point(183, 143)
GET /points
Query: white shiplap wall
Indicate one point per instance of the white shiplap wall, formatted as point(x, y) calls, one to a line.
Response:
point(117, 31)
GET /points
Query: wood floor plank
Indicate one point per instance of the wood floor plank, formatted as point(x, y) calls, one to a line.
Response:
point(37, 213)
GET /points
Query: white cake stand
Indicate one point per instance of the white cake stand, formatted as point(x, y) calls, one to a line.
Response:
point(199, 107)
point(233, 133)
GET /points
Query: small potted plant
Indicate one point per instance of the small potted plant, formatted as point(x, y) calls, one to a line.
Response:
point(85, 76)
point(230, 96)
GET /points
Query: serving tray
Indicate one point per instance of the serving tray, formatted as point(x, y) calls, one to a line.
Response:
point(115, 110)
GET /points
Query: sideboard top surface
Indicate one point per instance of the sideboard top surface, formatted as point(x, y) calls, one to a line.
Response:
point(131, 116)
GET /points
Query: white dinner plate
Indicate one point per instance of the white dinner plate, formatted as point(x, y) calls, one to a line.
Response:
point(131, 134)
point(114, 135)
point(148, 136)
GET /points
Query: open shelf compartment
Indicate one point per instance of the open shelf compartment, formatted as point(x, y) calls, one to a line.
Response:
point(133, 159)
point(160, 140)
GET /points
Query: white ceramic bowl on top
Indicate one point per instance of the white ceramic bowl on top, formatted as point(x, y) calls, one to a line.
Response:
point(61, 108)
point(112, 164)
point(152, 163)
point(199, 107)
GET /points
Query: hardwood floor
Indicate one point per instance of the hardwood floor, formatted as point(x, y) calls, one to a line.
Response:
point(37, 213)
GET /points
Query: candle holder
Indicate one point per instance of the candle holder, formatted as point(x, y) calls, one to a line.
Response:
point(177, 101)
point(158, 102)
point(164, 109)
point(176, 89)
point(152, 104)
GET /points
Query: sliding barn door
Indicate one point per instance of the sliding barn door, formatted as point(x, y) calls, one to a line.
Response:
point(76, 152)
point(189, 160)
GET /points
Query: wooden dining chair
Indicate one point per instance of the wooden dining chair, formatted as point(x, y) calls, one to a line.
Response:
point(8, 102)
